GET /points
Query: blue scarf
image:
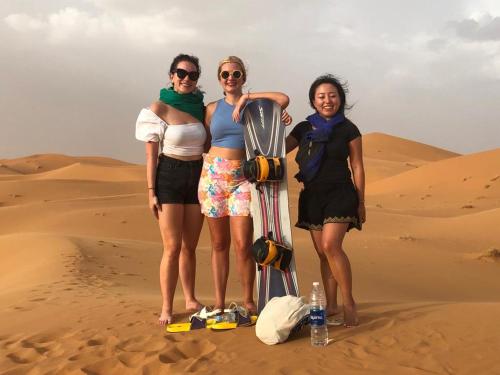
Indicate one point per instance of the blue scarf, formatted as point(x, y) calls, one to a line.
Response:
point(320, 135)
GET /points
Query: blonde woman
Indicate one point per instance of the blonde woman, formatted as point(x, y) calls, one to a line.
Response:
point(224, 193)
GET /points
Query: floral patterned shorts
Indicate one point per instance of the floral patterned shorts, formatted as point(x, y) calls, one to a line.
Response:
point(223, 190)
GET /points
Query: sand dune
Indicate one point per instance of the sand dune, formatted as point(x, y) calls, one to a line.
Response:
point(48, 162)
point(87, 171)
point(80, 255)
point(455, 186)
point(388, 147)
point(386, 156)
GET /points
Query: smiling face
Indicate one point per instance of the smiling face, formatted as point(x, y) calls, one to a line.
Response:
point(327, 100)
point(231, 85)
point(184, 85)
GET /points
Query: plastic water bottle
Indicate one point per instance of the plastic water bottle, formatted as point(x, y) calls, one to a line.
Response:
point(319, 330)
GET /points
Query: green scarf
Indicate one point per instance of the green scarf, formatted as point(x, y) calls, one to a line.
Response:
point(191, 103)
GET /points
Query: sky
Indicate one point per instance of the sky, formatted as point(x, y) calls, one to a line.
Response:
point(74, 74)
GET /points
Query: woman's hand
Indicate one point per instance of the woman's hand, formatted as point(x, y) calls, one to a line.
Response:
point(362, 211)
point(286, 118)
point(154, 206)
point(238, 106)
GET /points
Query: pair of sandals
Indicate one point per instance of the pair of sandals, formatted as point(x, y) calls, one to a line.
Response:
point(215, 319)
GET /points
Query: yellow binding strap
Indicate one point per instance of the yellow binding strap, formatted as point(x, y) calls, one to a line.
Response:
point(271, 253)
point(263, 170)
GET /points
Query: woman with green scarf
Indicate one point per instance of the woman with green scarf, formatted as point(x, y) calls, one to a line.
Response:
point(173, 130)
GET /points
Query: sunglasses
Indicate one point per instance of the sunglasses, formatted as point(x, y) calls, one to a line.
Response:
point(236, 74)
point(181, 73)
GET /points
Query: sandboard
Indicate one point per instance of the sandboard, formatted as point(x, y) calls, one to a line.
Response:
point(265, 134)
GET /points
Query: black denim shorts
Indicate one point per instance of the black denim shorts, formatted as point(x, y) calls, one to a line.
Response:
point(177, 180)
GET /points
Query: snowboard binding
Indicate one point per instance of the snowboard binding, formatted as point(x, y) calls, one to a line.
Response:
point(262, 169)
point(267, 252)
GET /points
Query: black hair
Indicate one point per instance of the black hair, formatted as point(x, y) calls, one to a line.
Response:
point(342, 88)
point(183, 57)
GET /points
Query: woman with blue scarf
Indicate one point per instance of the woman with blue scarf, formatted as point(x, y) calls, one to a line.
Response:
point(175, 136)
point(332, 202)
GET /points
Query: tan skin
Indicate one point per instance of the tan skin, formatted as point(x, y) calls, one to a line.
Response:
point(180, 224)
point(237, 229)
point(334, 263)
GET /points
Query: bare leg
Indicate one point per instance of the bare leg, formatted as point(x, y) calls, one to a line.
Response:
point(193, 221)
point(241, 233)
point(221, 241)
point(331, 243)
point(329, 282)
point(170, 221)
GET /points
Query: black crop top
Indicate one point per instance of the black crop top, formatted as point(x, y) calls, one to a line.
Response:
point(334, 167)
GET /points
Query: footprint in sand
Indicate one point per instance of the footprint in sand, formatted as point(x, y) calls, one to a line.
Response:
point(38, 299)
point(495, 178)
point(23, 356)
point(146, 343)
point(188, 356)
point(407, 237)
point(467, 206)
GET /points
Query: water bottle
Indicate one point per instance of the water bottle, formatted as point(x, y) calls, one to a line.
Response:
point(319, 330)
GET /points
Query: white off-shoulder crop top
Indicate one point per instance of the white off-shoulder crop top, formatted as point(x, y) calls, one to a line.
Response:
point(181, 140)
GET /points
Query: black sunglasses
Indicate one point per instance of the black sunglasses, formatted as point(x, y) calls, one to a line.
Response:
point(236, 74)
point(181, 73)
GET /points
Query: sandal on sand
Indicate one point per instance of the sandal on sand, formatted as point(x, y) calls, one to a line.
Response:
point(200, 319)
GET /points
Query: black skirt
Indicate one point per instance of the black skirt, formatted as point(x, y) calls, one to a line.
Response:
point(335, 203)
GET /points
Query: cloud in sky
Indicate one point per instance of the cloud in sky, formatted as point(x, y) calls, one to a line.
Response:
point(484, 28)
point(69, 23)
point(428, 71)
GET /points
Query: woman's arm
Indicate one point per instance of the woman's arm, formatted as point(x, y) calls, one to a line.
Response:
point(151, 164)
point(209, 111)
point(278, 97)
point(358, 174)
point(290, 143)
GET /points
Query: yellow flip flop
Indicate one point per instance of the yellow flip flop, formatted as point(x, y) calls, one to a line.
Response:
point(222, 326)
point(178, 327)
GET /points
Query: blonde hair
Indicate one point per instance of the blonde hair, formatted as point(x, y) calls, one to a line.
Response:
point(233, 60)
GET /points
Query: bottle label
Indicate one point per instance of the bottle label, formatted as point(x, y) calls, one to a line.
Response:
point(317, 317)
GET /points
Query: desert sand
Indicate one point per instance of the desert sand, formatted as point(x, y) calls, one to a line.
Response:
point(80, 252)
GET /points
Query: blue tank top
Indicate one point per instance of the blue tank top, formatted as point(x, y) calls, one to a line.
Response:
point(224, 131)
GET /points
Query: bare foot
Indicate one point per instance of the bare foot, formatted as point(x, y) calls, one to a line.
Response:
point(166, 316)
point(251, 308)
point(193, 306)
point(332, 311)
point(350, 316)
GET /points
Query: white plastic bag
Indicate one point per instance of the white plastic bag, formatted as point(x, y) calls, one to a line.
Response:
point(280, 316)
